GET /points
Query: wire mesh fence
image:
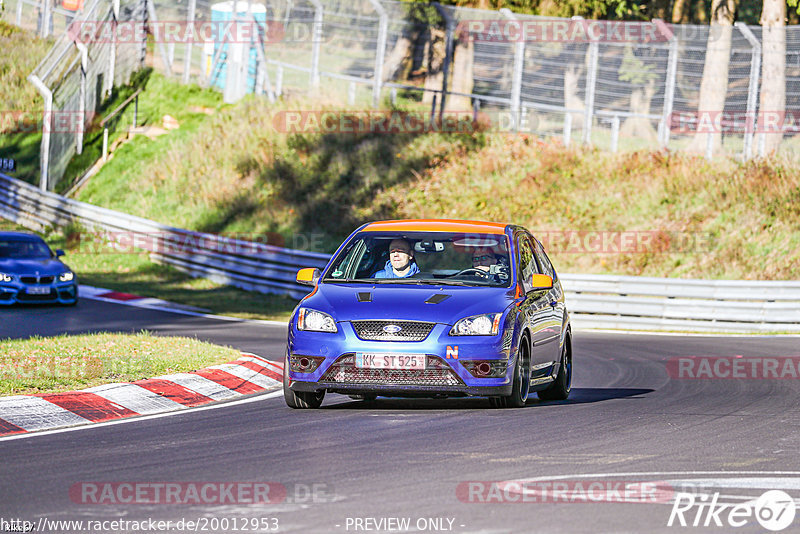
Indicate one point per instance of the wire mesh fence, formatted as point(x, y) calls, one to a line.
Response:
point(616, 85)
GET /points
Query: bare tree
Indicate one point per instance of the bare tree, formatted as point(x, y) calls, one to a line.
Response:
point(714, 86)
point(773, 71)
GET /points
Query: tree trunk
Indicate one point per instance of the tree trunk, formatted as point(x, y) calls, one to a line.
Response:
point(773, 72)
point(699, 15)
point(641, 127)
point(572, 76)
point(714, 87)
point(680, 12)
point(393, 65)
point(435, 59)
point(462, 81)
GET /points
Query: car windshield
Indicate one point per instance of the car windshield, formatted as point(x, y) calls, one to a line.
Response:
point(24, 249)
point(440, 258)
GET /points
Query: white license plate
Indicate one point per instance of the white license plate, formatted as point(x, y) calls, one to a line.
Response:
point(366, 360)
point(38, 291)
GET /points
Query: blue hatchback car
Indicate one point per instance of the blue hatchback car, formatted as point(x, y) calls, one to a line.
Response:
point(32, 273)
point(431, 308)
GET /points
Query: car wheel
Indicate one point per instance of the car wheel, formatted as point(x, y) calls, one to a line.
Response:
point(522, 380)
point(561, 386)
point(299, 399)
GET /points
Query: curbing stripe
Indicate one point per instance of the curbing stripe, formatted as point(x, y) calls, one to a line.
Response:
point(228, 380)
point(135, 398)
point(248, 374)
point(202, 385)
point(263, 370)
point(6, 428)
point(21, 414)
point(35, 413)
point(88, 405)
point(173, 391)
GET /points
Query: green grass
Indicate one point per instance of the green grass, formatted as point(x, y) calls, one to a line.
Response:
point(65, 363)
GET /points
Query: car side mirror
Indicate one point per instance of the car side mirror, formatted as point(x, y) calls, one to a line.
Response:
point(541, 282)
point(59, 253)
point(308, 276)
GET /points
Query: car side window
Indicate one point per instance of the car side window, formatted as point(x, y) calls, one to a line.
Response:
point(527, 263)
point(544, 261)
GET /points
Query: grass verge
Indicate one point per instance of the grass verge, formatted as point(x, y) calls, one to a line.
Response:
point(66, 363)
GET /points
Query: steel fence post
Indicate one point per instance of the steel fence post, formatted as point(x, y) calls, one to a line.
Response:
point(316, 41)
point(567, 128)
point(47, 120)
point(751, 122)
point(519, 62)
point(380, 52)
point(669, 83)
point(187, 60)
point(19, 12)
point(614, 133)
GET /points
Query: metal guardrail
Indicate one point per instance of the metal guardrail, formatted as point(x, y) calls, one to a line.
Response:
point(252, 266)
point(595, 301)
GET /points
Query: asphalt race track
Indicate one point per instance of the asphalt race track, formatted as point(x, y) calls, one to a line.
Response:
point(356, 467)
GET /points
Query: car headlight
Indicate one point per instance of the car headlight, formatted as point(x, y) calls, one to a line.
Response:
point(66, 277)
point(315, 321)
point(5, 277)
point(487, 324)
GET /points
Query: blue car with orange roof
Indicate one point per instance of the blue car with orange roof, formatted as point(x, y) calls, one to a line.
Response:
point(431, 308)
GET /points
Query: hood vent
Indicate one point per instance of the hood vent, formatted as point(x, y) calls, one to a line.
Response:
point(437, 298)
point(364, 296)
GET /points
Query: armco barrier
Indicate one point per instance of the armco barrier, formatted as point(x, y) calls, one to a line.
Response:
point(251, 266)
point(595, 301)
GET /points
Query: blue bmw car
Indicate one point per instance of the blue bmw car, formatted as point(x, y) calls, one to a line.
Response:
point(431, 308)
point(32, 273)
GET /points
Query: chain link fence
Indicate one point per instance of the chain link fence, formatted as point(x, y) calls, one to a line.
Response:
point(615, 85)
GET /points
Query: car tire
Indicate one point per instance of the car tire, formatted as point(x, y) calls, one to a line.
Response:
point(562, 385)
point(300, 399)
point(522, 380)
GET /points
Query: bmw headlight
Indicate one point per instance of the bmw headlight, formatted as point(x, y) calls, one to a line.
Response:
point(5, 277)
point(487, 324)
point(315, 321)
point(66, 277)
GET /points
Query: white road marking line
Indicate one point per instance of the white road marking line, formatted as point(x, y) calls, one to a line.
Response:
point(187, 411)
point(34, 413)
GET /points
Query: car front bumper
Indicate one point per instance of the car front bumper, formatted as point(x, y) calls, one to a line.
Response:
point(445, 375)
point(57, 293)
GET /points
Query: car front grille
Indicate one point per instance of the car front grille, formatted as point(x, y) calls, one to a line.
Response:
point(24, 297)
point(408, 330)
point(35, 280)
point(437, 373)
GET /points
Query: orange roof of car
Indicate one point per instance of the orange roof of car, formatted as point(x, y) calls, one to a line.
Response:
point(436, 225)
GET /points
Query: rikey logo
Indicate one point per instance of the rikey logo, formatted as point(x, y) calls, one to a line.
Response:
point(452, 352)
point(392, 328)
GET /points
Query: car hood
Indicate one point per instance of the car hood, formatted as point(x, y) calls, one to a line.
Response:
point(45, 267)
point(407, 302)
